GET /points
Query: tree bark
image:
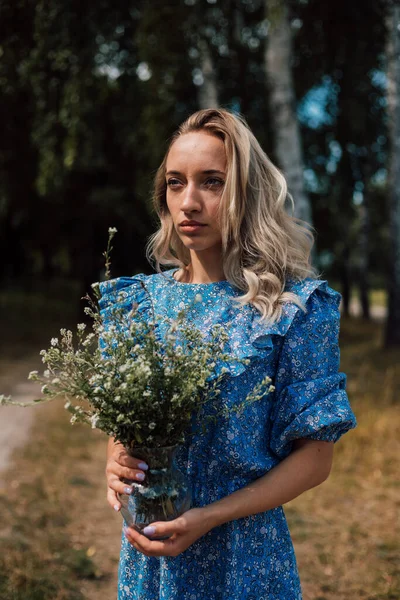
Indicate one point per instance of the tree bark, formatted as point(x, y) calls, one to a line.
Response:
point(363, 269)
point(345, 278)
point(208, 93)
point(364, 238)
point(392, 334)
point(282, 100)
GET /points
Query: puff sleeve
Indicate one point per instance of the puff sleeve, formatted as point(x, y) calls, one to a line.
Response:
point(121, 294)
point(311, 399)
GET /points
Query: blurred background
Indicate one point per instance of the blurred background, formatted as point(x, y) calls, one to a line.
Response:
point(89, 96)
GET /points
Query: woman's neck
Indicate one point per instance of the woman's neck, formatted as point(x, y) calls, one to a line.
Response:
point(198, 274)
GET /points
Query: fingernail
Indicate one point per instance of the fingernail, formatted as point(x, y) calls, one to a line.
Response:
point(127, 490)
point(143, 466)
point(116, 507)
point(149, 530)
point(140, 476)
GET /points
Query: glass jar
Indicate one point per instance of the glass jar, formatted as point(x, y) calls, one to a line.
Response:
point(164, 494)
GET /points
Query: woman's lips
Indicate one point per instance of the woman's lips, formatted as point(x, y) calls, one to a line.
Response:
point(190, 228)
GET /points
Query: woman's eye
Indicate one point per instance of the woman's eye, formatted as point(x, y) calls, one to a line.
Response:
point(173, 182)
point(213, 182)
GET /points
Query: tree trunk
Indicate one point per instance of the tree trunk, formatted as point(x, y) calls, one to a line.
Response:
point(364, 238)
point(278, 58)
point(208, 93)
point(392, 337)
point(363, 268)
point(345, 278)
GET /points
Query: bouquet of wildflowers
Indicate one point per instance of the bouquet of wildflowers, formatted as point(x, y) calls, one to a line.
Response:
point(141, 390)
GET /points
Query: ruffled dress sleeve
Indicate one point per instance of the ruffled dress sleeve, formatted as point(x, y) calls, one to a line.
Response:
point(122, 295)
point(311, 399)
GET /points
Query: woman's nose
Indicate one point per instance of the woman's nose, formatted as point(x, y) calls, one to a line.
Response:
point(190, 198)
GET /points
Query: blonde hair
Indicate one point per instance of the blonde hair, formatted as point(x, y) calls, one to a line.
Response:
point(262, 244)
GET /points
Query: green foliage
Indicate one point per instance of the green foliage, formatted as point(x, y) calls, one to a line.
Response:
point(92, 94)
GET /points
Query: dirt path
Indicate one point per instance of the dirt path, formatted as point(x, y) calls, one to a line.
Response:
point(93, 527)
point(15, 421)
point(96, 523)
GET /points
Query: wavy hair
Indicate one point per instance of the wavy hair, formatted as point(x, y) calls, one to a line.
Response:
point(262, 243)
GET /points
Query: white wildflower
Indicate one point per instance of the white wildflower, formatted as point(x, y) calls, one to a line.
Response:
point(45, 389)
point(152, 426)
point(33, 375)
point(81, 326)
point(94, 420)
point(56, 380)
point(112, 230)
point(46, 373)
point(88, 339)
point(54, 341)
point(67, 405)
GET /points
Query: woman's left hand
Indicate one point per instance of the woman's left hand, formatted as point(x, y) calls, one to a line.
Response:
point(184, 530)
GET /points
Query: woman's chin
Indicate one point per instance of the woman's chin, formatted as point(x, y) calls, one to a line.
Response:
point(198, 245)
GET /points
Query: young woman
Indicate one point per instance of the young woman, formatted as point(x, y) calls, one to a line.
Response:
point(226, 234)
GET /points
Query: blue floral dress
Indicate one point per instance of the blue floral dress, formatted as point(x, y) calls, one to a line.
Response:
point(250, 558)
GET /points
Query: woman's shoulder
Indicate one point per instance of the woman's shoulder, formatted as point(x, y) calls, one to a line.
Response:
point(313, 290)
point(320, 303)
point(124, 291)
point(306, 287)
point(316, 300)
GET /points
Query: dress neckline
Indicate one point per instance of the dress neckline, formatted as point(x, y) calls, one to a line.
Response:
point(170, 273)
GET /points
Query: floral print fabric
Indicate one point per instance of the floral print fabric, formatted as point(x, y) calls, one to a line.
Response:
point(250, 558)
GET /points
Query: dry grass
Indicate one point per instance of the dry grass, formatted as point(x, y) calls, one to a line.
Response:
point(58, 537)
point(60, 540)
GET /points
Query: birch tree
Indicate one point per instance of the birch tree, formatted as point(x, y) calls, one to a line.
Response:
point(282, 100)
point(392, 337)
point(208, 93)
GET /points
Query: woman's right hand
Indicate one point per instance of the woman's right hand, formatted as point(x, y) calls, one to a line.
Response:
point(120, 467)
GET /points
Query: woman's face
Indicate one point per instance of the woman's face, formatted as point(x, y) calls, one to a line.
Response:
point(195, 176)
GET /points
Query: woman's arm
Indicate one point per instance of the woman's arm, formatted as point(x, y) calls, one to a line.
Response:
point(307, 466)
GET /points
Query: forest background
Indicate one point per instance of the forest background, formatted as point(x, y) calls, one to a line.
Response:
point(90, 93)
